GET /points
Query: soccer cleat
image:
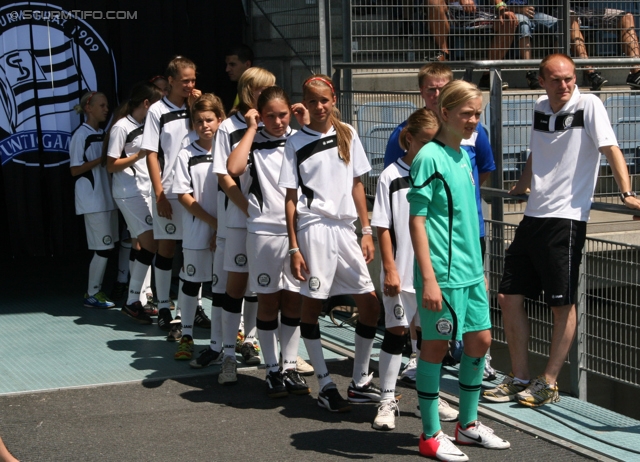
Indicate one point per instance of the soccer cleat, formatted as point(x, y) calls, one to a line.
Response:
point(408, 375)
point(440, 447)
point(295, 384)
point(532, 80)
point(364, 394)
point(329, 398)
point(201, 319)
point(136, 312)
point(633, 80)
point(207, 357)
point(538, 392)
point(185, 348)
point(250, 355)
point(303, 367)
point(150, 310)
point(445, 412)
point(595, 80)
point(506, 391)
point(478, 433)
point(98, 300)
point(164, 319)
point(119, 290)
point(275, 385)
point(229, 371)
point(386, 417)
point(175, 333)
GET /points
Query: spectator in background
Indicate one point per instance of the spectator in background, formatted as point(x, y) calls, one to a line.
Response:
point(438, 21)
point(531, 20)
point(605, 18)
point(238, 58)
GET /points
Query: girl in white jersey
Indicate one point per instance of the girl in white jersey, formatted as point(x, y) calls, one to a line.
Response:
point(132, 189)
point(325, 159)
point(93, 193)
point(196, 186)
point(269, 270)
point(232, 230)
point(166, 126)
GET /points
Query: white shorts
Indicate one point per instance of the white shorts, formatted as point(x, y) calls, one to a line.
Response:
point(235, 252)
point(102, 229)
point(137, 214)
point(219, 277)
point(400, 310)
point(334, 260)
point(269, 267)
point(170, 230)
point(197, 265)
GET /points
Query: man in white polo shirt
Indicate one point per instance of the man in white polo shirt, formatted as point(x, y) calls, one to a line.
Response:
point(570, 130)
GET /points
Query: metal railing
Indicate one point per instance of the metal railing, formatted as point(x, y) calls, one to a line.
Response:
point(305, 26)
point(608, 304)
point(414, 31)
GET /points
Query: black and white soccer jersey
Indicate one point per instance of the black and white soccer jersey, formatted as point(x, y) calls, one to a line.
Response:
point(193, 175)
point(266, 197)
point(567, 143)
point(93, 187)
point(311, 162)
point(391, 211)
point(165, 128)
point(125, 139)
point(229, 134)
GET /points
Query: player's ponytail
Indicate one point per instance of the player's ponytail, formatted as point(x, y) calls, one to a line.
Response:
point(343, 132)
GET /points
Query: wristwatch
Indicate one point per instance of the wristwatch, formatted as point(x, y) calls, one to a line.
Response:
point(624, 195)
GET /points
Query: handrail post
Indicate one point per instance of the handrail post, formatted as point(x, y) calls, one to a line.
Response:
point(324, 18)
point(577, 374)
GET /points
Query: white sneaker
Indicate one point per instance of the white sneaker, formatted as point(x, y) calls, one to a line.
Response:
point(303, 367)
point(479, 433)
point(441, 447)
point(386, 417)
point(229, 371)
point(489, 372)
point(445, 412)
point(408, 375)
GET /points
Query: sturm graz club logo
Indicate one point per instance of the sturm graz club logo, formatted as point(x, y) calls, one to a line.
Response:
point(106, 240)
point(191, 270)
point(263, 280)
point(241, 259)
point(170, 228)
point(46, 64)
point(148, 220)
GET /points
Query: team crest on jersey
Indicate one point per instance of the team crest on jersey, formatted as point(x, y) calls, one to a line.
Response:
point(170, 228)
point(241, 259)
point(264, 280)
point(568, 121)
point(49, 60)
point(314, 284)
point(444, 326)
point(191, 270)
point(214, 281)
point(148, 220)
point(107, 240)
point(398, 311)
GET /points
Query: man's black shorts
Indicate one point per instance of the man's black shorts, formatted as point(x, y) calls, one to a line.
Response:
point(545, 255)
